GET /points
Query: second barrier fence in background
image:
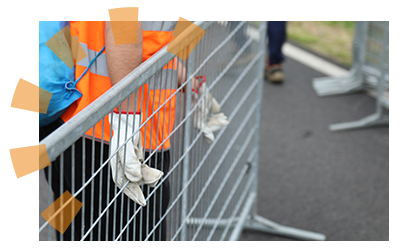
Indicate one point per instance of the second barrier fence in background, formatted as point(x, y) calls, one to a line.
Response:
point(370, 70)
point(209, 187)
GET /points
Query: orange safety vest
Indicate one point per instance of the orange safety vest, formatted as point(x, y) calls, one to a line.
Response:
point(152, 95)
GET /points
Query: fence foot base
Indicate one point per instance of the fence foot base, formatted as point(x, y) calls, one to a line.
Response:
point(369, 121)
point(262, 224)
point(349, 83)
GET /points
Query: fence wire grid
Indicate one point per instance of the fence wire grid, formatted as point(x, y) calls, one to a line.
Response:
point(205, 186)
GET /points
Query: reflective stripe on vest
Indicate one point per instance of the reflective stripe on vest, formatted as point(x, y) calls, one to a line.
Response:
point(99, 66)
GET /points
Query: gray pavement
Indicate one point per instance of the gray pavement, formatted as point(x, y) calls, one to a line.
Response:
point(336, 183)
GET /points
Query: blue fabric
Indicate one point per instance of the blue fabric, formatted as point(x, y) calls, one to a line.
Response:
point(54, 74)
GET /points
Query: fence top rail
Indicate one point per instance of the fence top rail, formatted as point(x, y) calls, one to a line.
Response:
point(68, 133)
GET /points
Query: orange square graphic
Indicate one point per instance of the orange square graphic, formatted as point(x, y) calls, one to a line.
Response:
point(186, 36)
point(61, 213)
point(44, 160)
point(181, 26)
point(124, 24)
point(124, 32)
point(60, 44)
point(124, 14)
point(27, 160)
point(44, 100)
point(30, 97)
point(78, 53)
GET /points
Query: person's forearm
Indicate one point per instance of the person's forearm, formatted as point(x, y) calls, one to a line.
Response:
point(182, 76)
point(122, 59)
point(181, 73)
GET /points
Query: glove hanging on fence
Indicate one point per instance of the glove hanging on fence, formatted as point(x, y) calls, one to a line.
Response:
point(207, 105)
point(137, 173)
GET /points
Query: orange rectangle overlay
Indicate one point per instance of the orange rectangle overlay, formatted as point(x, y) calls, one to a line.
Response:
point(124, 14)
point(30, 97)
point(60, 44)
point(124, 24)
point(186, 40)
point(78, 53)
point(44, 160)
point(181, 26)
point(61, 213)
point(27, 160)
point(44, 100)
point(125, 32)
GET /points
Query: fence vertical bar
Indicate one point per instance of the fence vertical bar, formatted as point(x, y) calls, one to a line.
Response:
point(186, 143)
point(255, 221)
point(254, 165)
point(382, 71)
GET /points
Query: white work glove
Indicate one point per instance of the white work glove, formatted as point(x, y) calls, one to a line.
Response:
point(135, 172)
point(208, 105)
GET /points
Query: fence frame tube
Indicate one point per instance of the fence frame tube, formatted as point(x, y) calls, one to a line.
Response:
point(247, 203)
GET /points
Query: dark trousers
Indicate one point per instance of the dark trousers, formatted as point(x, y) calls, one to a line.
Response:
point(96, 198)
point(276, 33)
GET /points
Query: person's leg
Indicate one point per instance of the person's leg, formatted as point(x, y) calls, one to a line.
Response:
point(55, 179)
point(164, 193)
point(157, 204)
point(276, 33)
point(91, 209)
point(89, 212)
point(118, 214)
point(276, 37)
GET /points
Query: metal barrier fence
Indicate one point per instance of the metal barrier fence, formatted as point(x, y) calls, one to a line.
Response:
point(370, 70)
point(208, 190)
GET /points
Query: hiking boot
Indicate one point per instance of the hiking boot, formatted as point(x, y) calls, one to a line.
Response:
point(274, 74)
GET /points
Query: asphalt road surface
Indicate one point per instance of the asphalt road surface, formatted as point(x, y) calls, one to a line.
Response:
point(335, 183)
